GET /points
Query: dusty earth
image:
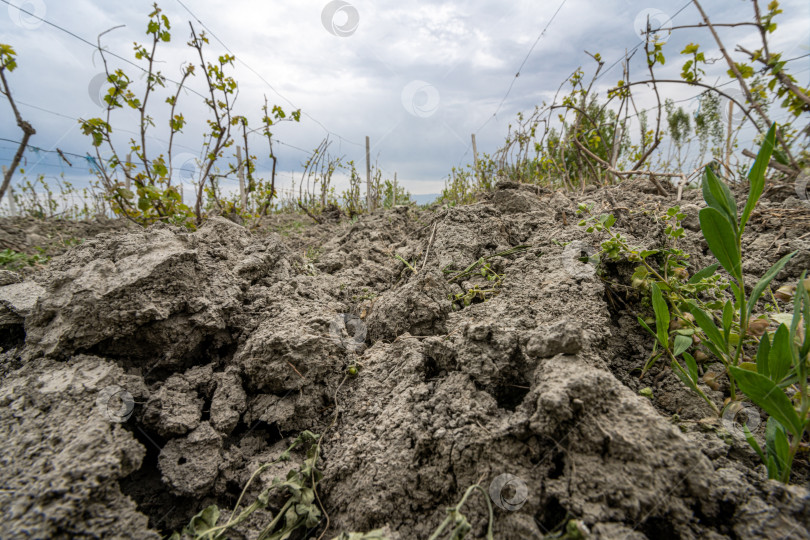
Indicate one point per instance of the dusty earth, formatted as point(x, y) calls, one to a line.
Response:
point(146, 374)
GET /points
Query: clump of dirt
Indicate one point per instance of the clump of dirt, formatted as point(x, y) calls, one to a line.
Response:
point(52, 237)
point(148, 374)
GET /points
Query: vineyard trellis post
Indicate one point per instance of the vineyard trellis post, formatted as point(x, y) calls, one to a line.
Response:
point(475, 159)
point(241, 175)
point(368, 173)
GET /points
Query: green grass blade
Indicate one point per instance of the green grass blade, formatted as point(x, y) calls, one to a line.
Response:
point(661, 316)
point(705, 322)
point(646, 327)
point(691, 365)
point(763, 283)
point(754, 444)
point(706, 272)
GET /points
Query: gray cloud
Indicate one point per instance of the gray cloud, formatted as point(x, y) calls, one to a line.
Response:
point(465, 53)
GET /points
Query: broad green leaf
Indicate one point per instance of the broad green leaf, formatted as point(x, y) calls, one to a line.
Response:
point(721, 239)
point(781, 318)
point(756, 176)
point(781, 354)
point(750, 366)
point(756, 292)
point(717, 196)
point(705, 322)
point(682, 343)
point(202, 522)
point(661, 316)
point(764, 392)
point(706, 272)
point(762, 355)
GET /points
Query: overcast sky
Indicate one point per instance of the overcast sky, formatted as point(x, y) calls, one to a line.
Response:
point(416, 77)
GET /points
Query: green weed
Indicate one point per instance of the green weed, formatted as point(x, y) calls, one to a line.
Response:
point(777, 381)
point(15, 260)
point(480, 268)
point(300, 509)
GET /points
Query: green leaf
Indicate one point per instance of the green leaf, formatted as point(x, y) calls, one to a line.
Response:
point(202, 522)
point(764, 392)
point(771, 427)
point(754, 444)
point(706, 272)
point(781, 354)
point(661, 316)
point(762, 355)
point(706, 323)
point(644, 325)
point(773, 468)
point(722, 240)
point(682, 343)
point(763, 283)
point(683, 376)
point(782, 451)
point(756, 176)
point(691, 365)
point(717, 196)
point(728, 319)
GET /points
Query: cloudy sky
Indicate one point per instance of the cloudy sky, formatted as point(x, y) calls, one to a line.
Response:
point(417, 77)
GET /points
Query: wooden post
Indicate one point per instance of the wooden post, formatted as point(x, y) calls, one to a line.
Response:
point(11, 208)
point(129, 160)
point(395, 191)
point(182, 200)
point(730, 131)
point(475, 159)
point(368, 174)
point(241, 174)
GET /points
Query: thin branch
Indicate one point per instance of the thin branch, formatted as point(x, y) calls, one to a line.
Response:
point(740, 79)
point(28, 131)
point(781, 75)
point(702, 85)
